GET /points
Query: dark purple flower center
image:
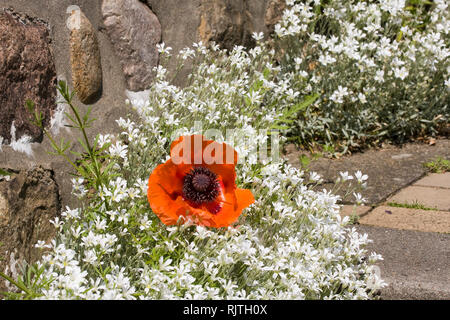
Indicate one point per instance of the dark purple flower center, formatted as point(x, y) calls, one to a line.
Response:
point(201, 182)
point(200, 186)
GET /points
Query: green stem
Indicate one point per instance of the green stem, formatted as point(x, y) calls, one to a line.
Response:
point(18, 285)
point(90, 150)
point(61, 153)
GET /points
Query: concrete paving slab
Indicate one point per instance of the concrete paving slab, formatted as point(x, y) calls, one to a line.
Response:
point(408, 219)
point(416, 264)
point(439, 180)
point(434, 198)
point(390, 168)
point(349, 210)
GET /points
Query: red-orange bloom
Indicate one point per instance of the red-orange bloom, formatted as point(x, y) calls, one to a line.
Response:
point(198, 181)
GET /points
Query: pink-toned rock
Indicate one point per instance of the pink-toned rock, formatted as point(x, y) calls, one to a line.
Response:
point(408, 219)
point(134, 31)
point(349, 210)
point(27, 71)
point(430, 197)
point(439, 180)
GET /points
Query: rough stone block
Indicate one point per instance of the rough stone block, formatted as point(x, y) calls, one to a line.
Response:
point(440, 180)
point(437, 198)
point(408, 219)
point(134, 31)
point(27, 71)
point(85, 58)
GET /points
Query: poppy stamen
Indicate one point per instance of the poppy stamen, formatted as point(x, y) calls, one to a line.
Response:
point(201, 182)
point(200, 186)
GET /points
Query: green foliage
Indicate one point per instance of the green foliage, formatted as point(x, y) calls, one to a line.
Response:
point(305, 160)
point(293, 111)
point(354, 218)
point(89, 163)
point(414, 205)
point(4, 172)
point(439, 165)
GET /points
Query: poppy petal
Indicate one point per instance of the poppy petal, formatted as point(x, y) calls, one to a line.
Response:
point(164, 187)
point(244, 198)
point(231, 211)
point(197, 150)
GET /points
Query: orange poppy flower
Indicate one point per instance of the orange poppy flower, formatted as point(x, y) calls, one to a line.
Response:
point(198, 182)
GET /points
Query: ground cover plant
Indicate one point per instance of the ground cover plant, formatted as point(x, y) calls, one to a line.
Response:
point(438, 165)
point(284, 239)
point(381, 69)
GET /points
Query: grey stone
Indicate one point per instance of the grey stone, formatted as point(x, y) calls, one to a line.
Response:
point(353, 210)
point(27, 202)
point(408, 219)
point(226, 22)
point(401, 156)
point(274, 13)
point(416, 264)
point(386, 175)
point(134, 31)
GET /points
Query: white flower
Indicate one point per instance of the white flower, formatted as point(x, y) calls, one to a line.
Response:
point(362, 97)
point(78, 188)
point(392, 6)
point(187, 53)
point(125, 124)
point(254, 98)
point(326, 59)
point(345, 176)
point(118, 150)
point(123, 217)
point(401, 73)
point(162, 49)
point(75, 232)
point(379, 76)
point(57, 223)
point(104, 139)
point(339, 94)
point(71, 213)
point(41, 244)
point(100, 224)
point(90, 257)
point(358, 198)
point(165, 265)
point(314, 177)
point(360, 177)
point(258, 36)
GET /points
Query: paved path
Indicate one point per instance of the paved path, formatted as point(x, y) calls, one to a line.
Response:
point(407, 215)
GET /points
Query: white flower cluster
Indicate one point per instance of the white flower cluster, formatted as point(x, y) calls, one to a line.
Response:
point(382, 68)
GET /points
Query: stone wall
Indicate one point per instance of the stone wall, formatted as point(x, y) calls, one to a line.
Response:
point(104, 49)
